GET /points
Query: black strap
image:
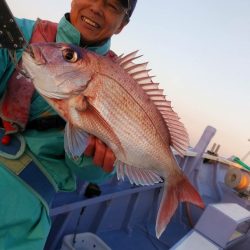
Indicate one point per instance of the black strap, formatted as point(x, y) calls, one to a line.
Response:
point(45, 123)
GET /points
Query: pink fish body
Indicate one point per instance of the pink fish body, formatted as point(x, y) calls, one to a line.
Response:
point(117, 101)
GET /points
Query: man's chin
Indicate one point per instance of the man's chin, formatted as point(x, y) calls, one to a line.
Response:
point(91, 40)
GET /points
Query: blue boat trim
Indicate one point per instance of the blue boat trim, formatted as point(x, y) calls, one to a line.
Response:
point(124, 216)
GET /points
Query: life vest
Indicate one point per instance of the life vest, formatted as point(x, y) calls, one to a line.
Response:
point(15, 104)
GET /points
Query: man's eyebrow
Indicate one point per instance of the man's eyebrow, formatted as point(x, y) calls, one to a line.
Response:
point(118, 3)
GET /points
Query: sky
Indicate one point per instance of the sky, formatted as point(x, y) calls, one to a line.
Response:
point(199, 51)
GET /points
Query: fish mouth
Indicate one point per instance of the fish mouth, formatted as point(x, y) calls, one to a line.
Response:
point(90, 22)
point(36, 54)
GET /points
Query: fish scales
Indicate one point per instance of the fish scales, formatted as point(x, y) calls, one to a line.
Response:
point(97, 95)
point(121, 77)
point(119, 107)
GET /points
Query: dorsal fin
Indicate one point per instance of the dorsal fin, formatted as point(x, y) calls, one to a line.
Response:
point(124, 60)
point(134, 67)
point(179, 137)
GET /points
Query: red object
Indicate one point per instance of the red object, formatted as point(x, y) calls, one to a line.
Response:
point(6, 139)
point(8, 129)
point(102, 155)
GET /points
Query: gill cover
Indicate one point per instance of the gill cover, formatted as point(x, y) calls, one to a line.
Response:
point(57, 70)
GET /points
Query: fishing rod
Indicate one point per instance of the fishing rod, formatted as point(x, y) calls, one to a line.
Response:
point(11, 36)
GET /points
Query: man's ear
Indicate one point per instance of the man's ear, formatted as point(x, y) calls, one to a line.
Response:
point(123, 24)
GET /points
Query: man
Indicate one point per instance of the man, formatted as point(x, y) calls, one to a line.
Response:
point(34, 165)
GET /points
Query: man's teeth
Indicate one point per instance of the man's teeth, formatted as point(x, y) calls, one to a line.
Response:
point(90, 22)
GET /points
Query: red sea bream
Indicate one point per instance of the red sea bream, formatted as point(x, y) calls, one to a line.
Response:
point(117, 101)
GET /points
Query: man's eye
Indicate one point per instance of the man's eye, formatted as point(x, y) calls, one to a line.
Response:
point(113, 7)
point(70, 55)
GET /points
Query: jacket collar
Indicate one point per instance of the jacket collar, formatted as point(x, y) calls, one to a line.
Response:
point(67, 33)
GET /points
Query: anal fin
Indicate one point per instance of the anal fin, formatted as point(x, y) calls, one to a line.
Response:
point(138, 176)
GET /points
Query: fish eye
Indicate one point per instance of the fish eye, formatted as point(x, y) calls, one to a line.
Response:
point(70, 55)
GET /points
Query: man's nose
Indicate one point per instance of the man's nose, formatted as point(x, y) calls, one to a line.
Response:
point(97, 6)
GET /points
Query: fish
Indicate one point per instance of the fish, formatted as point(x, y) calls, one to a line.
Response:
point(117, 101)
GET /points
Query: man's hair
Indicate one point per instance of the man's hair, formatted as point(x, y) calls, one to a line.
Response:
point(130, 6)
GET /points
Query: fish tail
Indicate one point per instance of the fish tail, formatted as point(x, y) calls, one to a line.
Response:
point(175, 192)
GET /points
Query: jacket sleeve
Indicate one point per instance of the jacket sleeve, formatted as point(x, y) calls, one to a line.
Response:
point(84, 169)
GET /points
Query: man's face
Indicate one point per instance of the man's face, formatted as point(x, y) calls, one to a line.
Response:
point(97, 20)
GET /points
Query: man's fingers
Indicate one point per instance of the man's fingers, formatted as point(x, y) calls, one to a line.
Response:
point(102, 156)
point(99, 155)
point(109, 159)
point(90, 150)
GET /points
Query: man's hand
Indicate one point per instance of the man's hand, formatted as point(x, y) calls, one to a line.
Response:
point(102, 155)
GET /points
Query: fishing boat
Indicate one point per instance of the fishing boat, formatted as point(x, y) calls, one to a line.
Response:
point(123, 215)
point(119, 215)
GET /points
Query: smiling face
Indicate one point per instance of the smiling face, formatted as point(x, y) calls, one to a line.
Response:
point(97, 20)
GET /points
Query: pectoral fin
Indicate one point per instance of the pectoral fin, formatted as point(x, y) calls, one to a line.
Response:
point(75, 141)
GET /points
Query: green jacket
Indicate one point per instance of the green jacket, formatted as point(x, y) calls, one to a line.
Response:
point(47, 146)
